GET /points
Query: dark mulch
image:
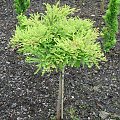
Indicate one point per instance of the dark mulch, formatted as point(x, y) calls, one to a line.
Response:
point(92, 94)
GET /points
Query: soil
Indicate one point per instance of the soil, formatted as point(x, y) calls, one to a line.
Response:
point(90, 94)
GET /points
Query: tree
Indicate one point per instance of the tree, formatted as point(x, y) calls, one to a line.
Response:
point(21, 6)
point(55, 40)
point(111, 25)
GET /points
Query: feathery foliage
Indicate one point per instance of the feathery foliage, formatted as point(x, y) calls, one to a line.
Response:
point(54, 39)
point(21, 6)
point(111, 22)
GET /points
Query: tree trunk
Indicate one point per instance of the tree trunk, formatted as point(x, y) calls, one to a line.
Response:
point(102, 6)
point(62, 94)
point(60, 100)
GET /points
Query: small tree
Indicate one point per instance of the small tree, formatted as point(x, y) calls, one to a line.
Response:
point(21, 6)
point(55, 40)
point(111, 22)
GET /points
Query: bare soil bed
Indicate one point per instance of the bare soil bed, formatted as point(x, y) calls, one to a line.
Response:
point(92, 94)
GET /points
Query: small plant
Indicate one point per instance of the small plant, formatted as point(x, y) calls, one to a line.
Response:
point(52, 117)
point(21, 6)
point(55, 40)
point(111, 22)
point(73, 115)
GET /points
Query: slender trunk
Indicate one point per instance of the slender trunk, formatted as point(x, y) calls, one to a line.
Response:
point(102, 5)
point(62, 94)
point(59, 115)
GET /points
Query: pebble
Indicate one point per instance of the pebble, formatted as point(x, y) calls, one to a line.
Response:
point(92, 15)
point(14, 105)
